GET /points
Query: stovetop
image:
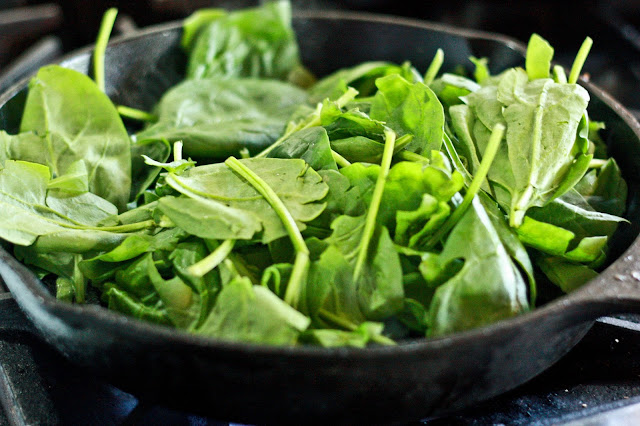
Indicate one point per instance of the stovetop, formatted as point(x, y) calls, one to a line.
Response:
point(597, 383)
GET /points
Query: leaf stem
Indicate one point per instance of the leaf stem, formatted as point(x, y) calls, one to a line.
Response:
point(376, 199)
point(339, 159)
point(411, 156)
point(483, 169)
point(136, 114)
point(559, 75)
point(434, 67)
point(349, 326)
point(177, 151)
point(301, 263)
point(455, 159)
point(108, 19)
point(212, 260)
point(578, 63)
point(130, 227)
point(597, 163)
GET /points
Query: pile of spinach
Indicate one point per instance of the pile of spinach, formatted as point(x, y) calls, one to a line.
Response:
point(258, 204)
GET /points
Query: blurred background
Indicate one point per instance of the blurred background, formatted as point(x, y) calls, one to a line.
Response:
point(37, 31)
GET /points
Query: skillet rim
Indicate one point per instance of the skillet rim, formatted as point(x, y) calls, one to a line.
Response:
point(164, 334)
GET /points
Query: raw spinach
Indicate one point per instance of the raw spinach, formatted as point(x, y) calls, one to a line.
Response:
point(76, 121)
point(216, 118)
point(373, 206)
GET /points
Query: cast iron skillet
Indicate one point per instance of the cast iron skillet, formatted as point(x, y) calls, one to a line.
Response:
point(260, 384)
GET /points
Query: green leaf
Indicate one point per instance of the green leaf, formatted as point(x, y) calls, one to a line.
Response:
point(311, 145)
point(253, 42)
point(216, 118)
point(76, 121)
point(196, 22)
point(298, 186)
point(450, 88)
point(359, 338)
point(29, 210)
point(248, 313)
point(211, 219)
point(605, 189)
point(361, 77)
point(486, 289)
point(330, 287)
point(539, 56)
point(413, 228)
point(75, 180)
point(143, 176)
point(567, 275)
point(410, 108)
point(120, 301)
point(481, 72)
point(183, 306)
point(379, 285)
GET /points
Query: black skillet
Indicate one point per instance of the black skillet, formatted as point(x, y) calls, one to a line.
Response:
point(260, 384)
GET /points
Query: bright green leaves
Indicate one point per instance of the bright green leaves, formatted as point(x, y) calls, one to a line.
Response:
point(373, 206)
point(544, 175)
point(542, 123)
point(538, 59)
point(72, 116)
point(487, 287)
point(216, 118)
point(250, 313)
point(256, 42)
point(29, 209)
point(541, 118)
point(298, 186)
point(410, 108)
point(543, 155)
point(378, 284)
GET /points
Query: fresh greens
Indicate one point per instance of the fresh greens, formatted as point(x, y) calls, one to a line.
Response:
point(260, 205)
point(215, 118)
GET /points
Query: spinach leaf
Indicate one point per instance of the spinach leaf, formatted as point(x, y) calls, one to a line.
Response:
point(206, 218)
point(605, 189)
point(216, 118)
point(379, 283)
point(296, 184)
point(143, 176)
point(404, 188)
point(365, 333)
point(410, 108)
point(248, 313)
point(311, 145)
point(569, 228)
point(565, 274)
point(538, 59)
point(254, 42)
point(450, 88)
point(361, 77)
point(76, 121)
point(488, 287)
point(53, 219)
